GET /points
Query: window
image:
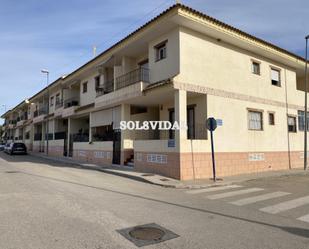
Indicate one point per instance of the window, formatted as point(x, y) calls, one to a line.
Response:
point(255, 120)
point(52, 101)
point(255, 67)
point(85, 87)
point(275, 77)
point(271, 118)
point(291, 124)
point(58, 99)
point(161, 51)
point(301, 120)
point(97, 82)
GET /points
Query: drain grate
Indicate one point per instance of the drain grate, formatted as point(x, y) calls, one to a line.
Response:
point(147, 234)
point(11, 172)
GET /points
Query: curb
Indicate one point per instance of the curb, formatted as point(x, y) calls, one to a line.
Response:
point(102, 169)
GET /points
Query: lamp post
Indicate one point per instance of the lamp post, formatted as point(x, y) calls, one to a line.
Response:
point(44, 71)
point(306, 90)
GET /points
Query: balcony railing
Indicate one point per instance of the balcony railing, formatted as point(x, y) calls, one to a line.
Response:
point(138, 75)
point(107, 87)
point(71, 102)
point(59, 104)
point(41, 111)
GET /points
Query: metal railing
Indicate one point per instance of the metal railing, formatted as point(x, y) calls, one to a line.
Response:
point(137, 75)
point(71, 102)
point(58, 104)
point(80, 137)
point(37, 137)
point(106, 87)
point(60, 135)
point(41, 111)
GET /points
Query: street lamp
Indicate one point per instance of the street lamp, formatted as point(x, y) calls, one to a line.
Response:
point(44, 71)
point(306, 89)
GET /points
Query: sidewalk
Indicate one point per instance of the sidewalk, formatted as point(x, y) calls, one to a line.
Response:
point(163, 181)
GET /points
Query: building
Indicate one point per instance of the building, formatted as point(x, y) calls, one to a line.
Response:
point(181, 66)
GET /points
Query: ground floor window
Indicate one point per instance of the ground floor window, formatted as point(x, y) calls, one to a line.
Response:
point(292, 124)
point(301, 120)
point(255, 119)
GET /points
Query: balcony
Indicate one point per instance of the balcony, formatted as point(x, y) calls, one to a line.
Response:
point(138, 75)
point(70, 105)
point(71, 102)
point(106, 88)
point(59, 104)
point(40, 114)
point(127, 86)
point(135, 76)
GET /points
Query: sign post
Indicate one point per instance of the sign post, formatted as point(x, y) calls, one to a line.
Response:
point(211, 126)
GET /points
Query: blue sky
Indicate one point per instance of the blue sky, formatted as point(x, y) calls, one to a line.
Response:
point(59, 35)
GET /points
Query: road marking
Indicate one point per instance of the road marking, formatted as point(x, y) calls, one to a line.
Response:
point(287, 205)
point(258, 198)
point(212, 189)
point(304, 218)
point(234, 193)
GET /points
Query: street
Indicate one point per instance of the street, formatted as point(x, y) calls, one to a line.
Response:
point(44, 204)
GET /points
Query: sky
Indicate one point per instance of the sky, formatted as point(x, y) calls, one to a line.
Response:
point(59, 35)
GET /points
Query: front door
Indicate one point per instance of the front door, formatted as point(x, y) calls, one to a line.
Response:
point(116, 146)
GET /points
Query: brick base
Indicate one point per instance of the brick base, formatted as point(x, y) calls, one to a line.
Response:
point(55, 151)
point(188, 166)
point(91, 156)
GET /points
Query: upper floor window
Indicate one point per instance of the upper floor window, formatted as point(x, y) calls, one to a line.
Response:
point(52, 101)
point(160, 50)
point(275, 77)
point(255, 67)
point(97, 82)
point(292, 124)
point(85, 87)
point(255, 120)
point(58, 98)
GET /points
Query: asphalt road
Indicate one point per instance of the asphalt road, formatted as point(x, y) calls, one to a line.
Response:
point(50, 205)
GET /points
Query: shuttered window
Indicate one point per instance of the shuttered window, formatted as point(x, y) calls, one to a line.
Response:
point(275, 77)
point(292, 124)
point(255, 120)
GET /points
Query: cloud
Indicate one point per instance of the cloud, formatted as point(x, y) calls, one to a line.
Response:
point(59, 35)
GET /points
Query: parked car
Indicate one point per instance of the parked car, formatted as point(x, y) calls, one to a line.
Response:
point(2, 146)
point(16, 148)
